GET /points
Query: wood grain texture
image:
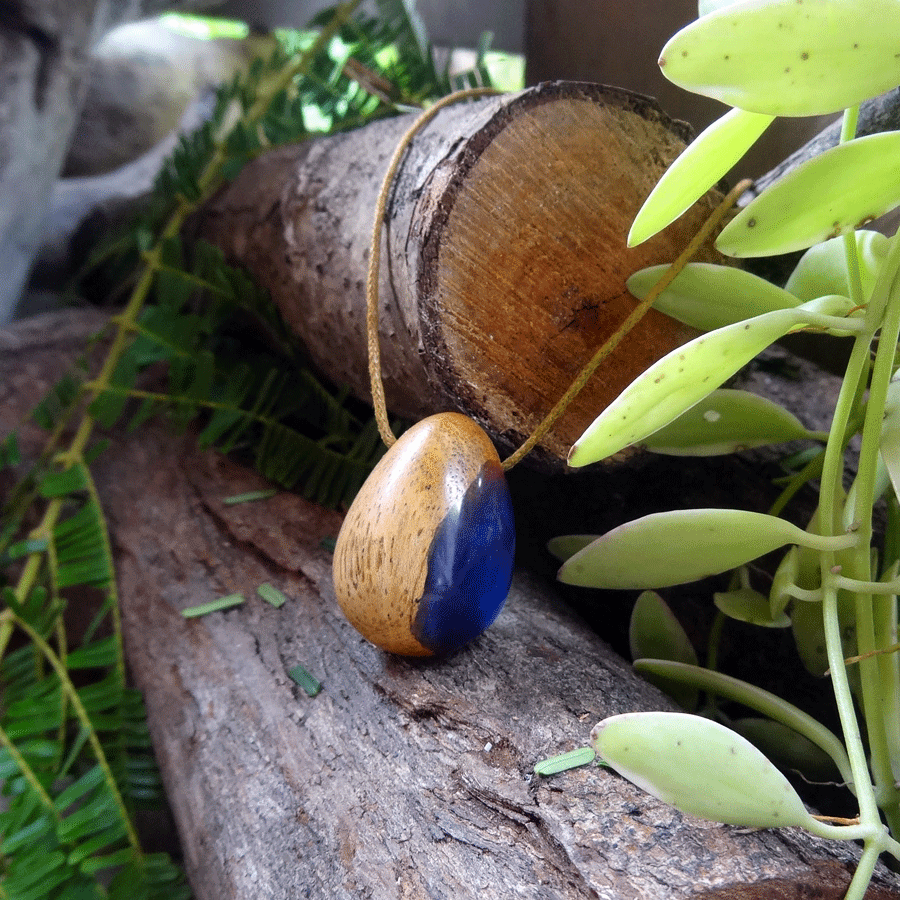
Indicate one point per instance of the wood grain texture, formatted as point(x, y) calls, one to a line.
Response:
point(401, 779)
point(504, 252)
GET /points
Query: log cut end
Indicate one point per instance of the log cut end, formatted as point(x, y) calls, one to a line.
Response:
point(525, 262)
point(504, 260)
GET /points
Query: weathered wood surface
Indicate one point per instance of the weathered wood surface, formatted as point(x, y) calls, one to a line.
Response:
point(400, 779)
point(504, 257)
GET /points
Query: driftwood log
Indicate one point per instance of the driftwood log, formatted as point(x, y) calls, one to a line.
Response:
point(504, 257)
point(400, 779)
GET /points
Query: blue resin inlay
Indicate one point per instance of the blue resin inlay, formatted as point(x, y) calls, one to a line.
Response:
point(470, 565)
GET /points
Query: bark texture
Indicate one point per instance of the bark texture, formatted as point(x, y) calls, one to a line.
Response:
point(400, 779)
point(504, 252)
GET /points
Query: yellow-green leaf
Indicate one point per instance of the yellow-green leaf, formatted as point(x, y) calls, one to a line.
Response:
point(726, 421)
point(710, 156)
point(831, 194)
point(789, 58)
point(686, 375)
point(706, 296)
point(747, 605)
point(699, 767)
point(567, 545)
point(823, 268)
point(668, 548)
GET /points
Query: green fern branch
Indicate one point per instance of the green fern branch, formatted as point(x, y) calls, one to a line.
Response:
point(84, 720)
point(74, 761)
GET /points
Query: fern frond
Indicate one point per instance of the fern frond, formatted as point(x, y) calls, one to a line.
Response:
point(35, 874)
point(81, 549)
point(322, 474)
point(58, 402)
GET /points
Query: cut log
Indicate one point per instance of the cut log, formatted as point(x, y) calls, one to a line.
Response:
point(400, 779)
point(504, 252)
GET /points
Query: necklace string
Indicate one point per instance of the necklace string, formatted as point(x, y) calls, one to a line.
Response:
point(374, 345)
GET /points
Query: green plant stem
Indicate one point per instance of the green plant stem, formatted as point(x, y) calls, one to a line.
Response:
point(848, 132)
point(861, 782)
point(869, 587)
point(830, 516)
point(830, 520)
point(865, 868)
point(873, 688)
point(811, 470)
point(715, 641)
point(885, 610)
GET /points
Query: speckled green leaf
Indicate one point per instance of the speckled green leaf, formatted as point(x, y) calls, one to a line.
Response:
point(699, 767)
point(830, 194)
point(668, 548)
point(706, 296)
point(726, 421)
point(709, 157)
point(789, 58)
point(787, 748)
point(685, 376)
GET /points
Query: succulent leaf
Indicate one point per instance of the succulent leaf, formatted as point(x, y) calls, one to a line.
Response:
point(748, 605)
point(699, 767)
point(829, 195)
point(567, 545)
point(787, 58)
point(823, 268)
point(639, 553)
point(726, 421)
point(708, 6)
point(685, 376)
point(787, 748)
point(706, 296)
point(707, 159)
point(655, 633)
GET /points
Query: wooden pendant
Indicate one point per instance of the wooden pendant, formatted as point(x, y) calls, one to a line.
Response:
point(424, 558)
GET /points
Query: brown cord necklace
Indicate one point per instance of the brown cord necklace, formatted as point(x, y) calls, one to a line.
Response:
point(424, 558)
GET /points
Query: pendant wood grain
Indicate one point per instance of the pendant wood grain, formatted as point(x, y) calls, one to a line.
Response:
point(424, 558)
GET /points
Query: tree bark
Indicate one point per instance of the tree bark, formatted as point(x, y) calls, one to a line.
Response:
point(400, 779)
point(504, 252)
